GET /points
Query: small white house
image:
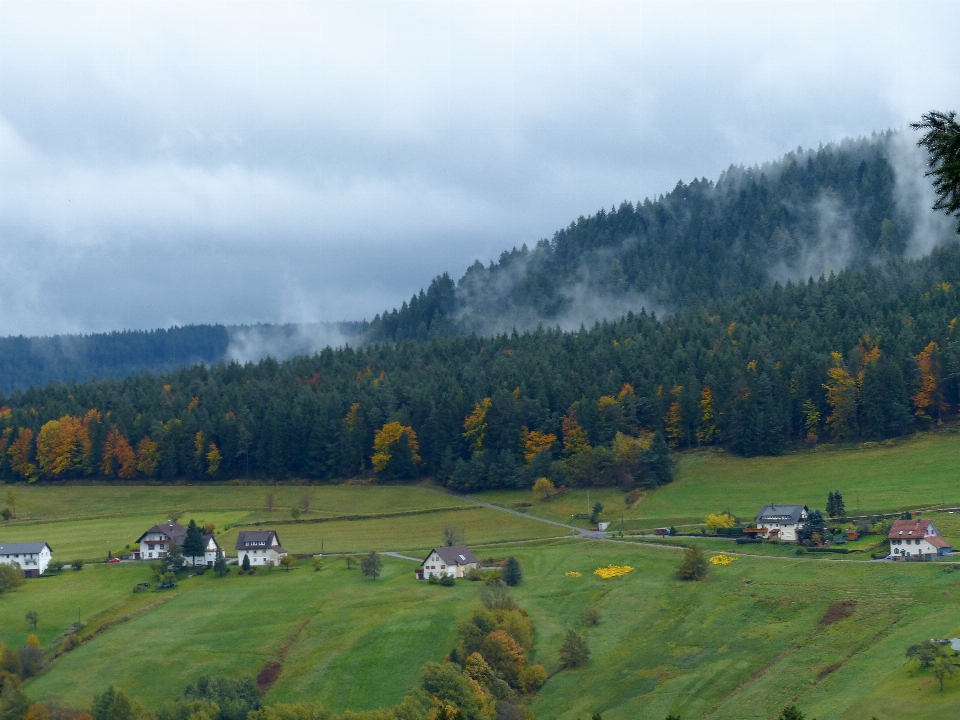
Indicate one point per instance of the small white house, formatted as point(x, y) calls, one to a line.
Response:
point(456, 561)
point(779, 522)
point(916, 540)
point(155, 543)
point(32, 557)
point(261, 546)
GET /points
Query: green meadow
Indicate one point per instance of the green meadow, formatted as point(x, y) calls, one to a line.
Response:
point(755, 636)
point(917, 472)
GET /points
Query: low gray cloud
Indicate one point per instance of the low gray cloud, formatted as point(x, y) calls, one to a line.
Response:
point(184, 162)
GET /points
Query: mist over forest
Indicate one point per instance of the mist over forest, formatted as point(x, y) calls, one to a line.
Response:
point(810, 300)
point(806, 215)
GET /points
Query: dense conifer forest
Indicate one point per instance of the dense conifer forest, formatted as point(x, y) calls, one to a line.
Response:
point(747, 358)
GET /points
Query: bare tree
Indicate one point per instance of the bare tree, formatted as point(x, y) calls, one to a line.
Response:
point(453, 536)
point(305, 501)
point(270, 500)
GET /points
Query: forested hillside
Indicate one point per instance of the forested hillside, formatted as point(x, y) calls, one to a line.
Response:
point(810, 214)
point(26, 361)
point(871, 353)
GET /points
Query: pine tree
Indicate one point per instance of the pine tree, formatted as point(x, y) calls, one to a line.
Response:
point(245, 565)
point(832, 504)
point(512, 572)
point(574, 652)
point(193, 543)
point(840, 509)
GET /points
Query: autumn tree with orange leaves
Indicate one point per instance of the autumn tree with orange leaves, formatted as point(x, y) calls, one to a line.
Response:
point(118, 457)
point(928, 401)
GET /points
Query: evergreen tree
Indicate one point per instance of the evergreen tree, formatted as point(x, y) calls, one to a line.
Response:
point(512, 572)
point(220, 566)
point(245, 564)
point(193, 543)
point(574, 652)
point(694, 565)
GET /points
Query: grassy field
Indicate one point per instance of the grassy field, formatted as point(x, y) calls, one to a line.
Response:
point(739, 646)
point(918, 472)
point(88, 522)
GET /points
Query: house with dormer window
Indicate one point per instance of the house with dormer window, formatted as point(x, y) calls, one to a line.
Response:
point(156, 542)
point(779, 522)
point(916, 540)
point(456, 561)
point(261, 546)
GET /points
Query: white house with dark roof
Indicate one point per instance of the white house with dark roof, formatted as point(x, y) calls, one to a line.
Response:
point(916, 540)
point(456, 561)
point(779, 522)
point(32, 557)
point(156, 542)
point(261, 546)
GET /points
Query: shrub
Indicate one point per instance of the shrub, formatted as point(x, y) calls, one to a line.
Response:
point(543, 489)
point(694, 565)
point(76, 564)
point(574, 652)
point(592, 615)
point(720, 520)
point(6, 513)
point(295, 512)
point(55, 566)
point(10, 577)
point(70, 642)
point(532, 678)
point(448, 580)
point(317, 564)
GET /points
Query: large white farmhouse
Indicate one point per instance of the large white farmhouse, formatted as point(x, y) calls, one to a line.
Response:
point(916, 540)
point(455, 561)
point(779, 522)
point(155, 543)
point(32, 557)
point(261, 546)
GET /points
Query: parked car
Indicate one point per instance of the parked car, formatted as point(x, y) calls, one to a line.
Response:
point(114, 560)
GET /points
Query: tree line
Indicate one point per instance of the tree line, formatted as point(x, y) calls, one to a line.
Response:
point(865, 354)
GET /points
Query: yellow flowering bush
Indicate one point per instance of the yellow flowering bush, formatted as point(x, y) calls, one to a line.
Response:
point(723, 559)
point(572, 573)
point(612, 571)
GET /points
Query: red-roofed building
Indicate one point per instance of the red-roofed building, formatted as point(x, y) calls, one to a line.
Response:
point(916, 540)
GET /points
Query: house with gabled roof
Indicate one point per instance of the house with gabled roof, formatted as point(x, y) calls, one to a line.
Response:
point(916, 540)
point(156, 542)
point(456, 561)
point(779, 522)
point(261, 546)
point(32, 557)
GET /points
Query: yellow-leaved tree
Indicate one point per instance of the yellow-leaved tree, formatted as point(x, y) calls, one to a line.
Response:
point(720, 520)
point(396, 451)
point(536, 442)
point(475, 425)
point(63, 447)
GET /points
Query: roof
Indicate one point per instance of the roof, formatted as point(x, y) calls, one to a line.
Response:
point(207, 538)
point(174, 531)
point(253, 538)
point(781, 513)
point(919, 528)
point(456, 555)
point(28, 548)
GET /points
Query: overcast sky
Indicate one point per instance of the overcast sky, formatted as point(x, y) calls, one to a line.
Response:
point(185, 162)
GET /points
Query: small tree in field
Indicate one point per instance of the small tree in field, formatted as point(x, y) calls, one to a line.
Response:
point(295, 512)
point(791, 712)
point(942, 669)
point(574, 651)
point(350, 561)
point(287, 562)
point(694, 565)
point(32, 617)
point(304, 501)
point(371, 565)
point(512, 572)
point(220, 566)
point(270, 500)
point(452, 536)
point(544, 489)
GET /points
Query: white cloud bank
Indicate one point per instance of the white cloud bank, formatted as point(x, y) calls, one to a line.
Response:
point(300, 162)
